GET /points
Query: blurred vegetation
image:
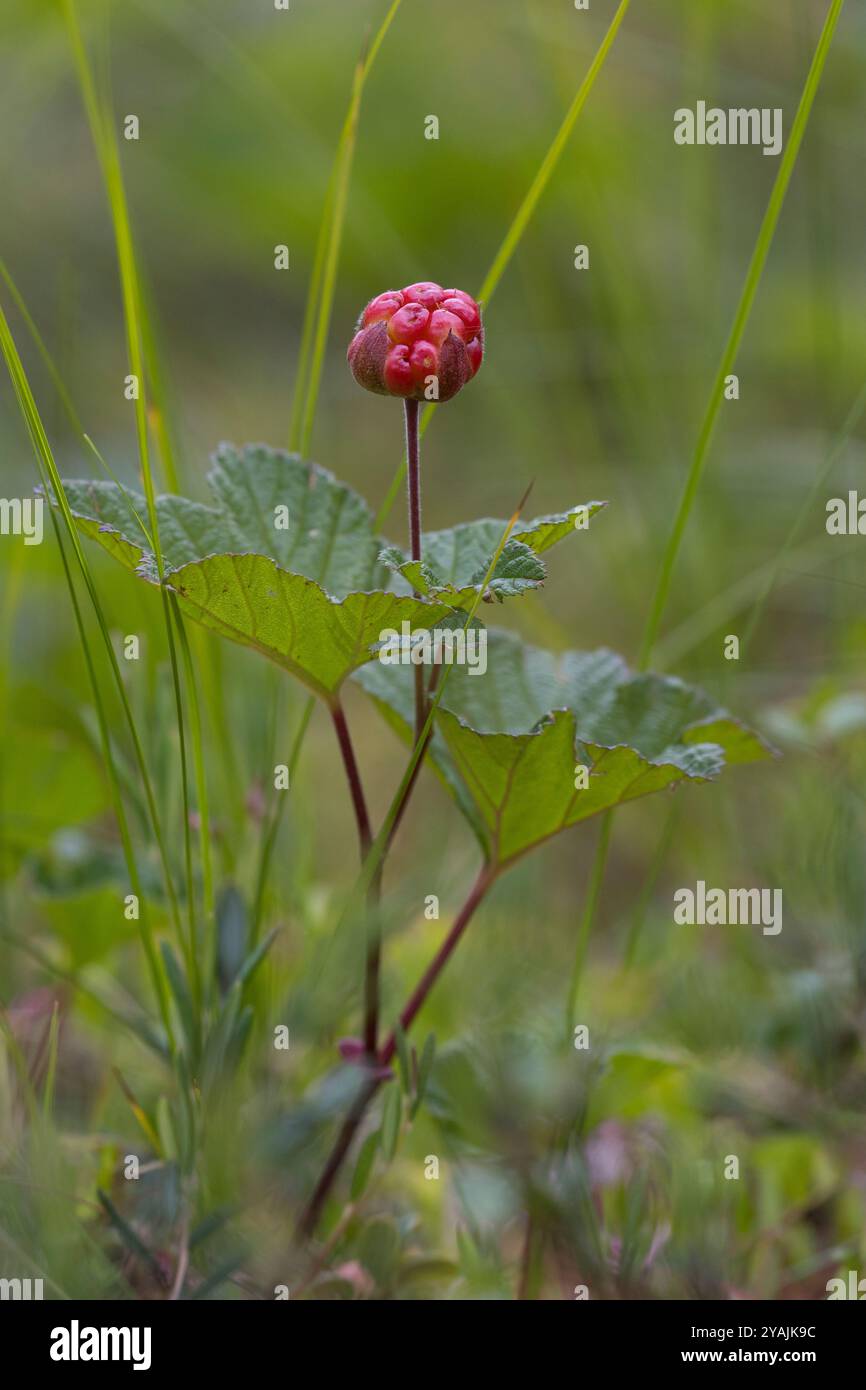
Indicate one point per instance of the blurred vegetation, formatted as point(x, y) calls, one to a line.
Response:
point(705, 1042)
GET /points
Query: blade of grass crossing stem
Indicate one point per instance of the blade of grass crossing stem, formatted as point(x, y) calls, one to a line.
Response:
point(738, 327)
point(522, 217)
point(741, 317)
point(51, 478)
point(377, 850)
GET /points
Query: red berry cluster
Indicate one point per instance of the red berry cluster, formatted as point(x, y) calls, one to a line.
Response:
point(405, 337)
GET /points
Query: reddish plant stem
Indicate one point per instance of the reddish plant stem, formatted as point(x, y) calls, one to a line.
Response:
point(373, 962)
point(353, 776)
point(413, 463)
point(419, 995)
point(313, 1210)
point(365, 835)
point(310, 1216)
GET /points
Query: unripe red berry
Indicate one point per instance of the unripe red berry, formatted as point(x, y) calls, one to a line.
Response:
point(424, 360)
point(468, 313)
point(407, 337)
point(399, 377)
point(408, 323)
point(382, 307)
point(425, 292)
point(441, 324)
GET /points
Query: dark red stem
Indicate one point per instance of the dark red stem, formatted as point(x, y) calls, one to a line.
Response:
point(418, 997)
point(359, 805)
point(365, 835)
point(413, 464)
point(312, 1211)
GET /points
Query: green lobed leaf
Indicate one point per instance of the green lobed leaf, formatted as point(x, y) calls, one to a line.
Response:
point(456, 561)
point(291, 620)
point(508, 741)
point(329, 537)
point(309, 595)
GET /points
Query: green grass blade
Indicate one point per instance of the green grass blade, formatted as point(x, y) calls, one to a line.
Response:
point(550, 161)
point(738, 328)
point(320, 300)
point(137, 332)
point(131, 1239)
point(203, 806)
point(522, 218)
point(51, 1070)
point(741, 317)
point(50, 365)
point(840, 443)
point(51, 478)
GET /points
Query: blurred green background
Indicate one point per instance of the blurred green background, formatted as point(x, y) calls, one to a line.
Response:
point(706, 1042)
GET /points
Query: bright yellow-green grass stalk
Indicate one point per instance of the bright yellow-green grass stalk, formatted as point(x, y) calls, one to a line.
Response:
point(524, 213)
point(51, 480)
point(99, 117)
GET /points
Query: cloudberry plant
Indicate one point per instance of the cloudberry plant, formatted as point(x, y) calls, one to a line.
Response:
point(420, 343)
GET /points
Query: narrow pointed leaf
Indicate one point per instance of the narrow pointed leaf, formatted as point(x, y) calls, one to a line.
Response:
point(392, 1114)
point(181, 995)
point(403, 1058)
point(364, 1166)
point(425, 1067)
point(131, 1239)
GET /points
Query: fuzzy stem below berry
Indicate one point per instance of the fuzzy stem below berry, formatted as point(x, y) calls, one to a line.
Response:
point(413, 461)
